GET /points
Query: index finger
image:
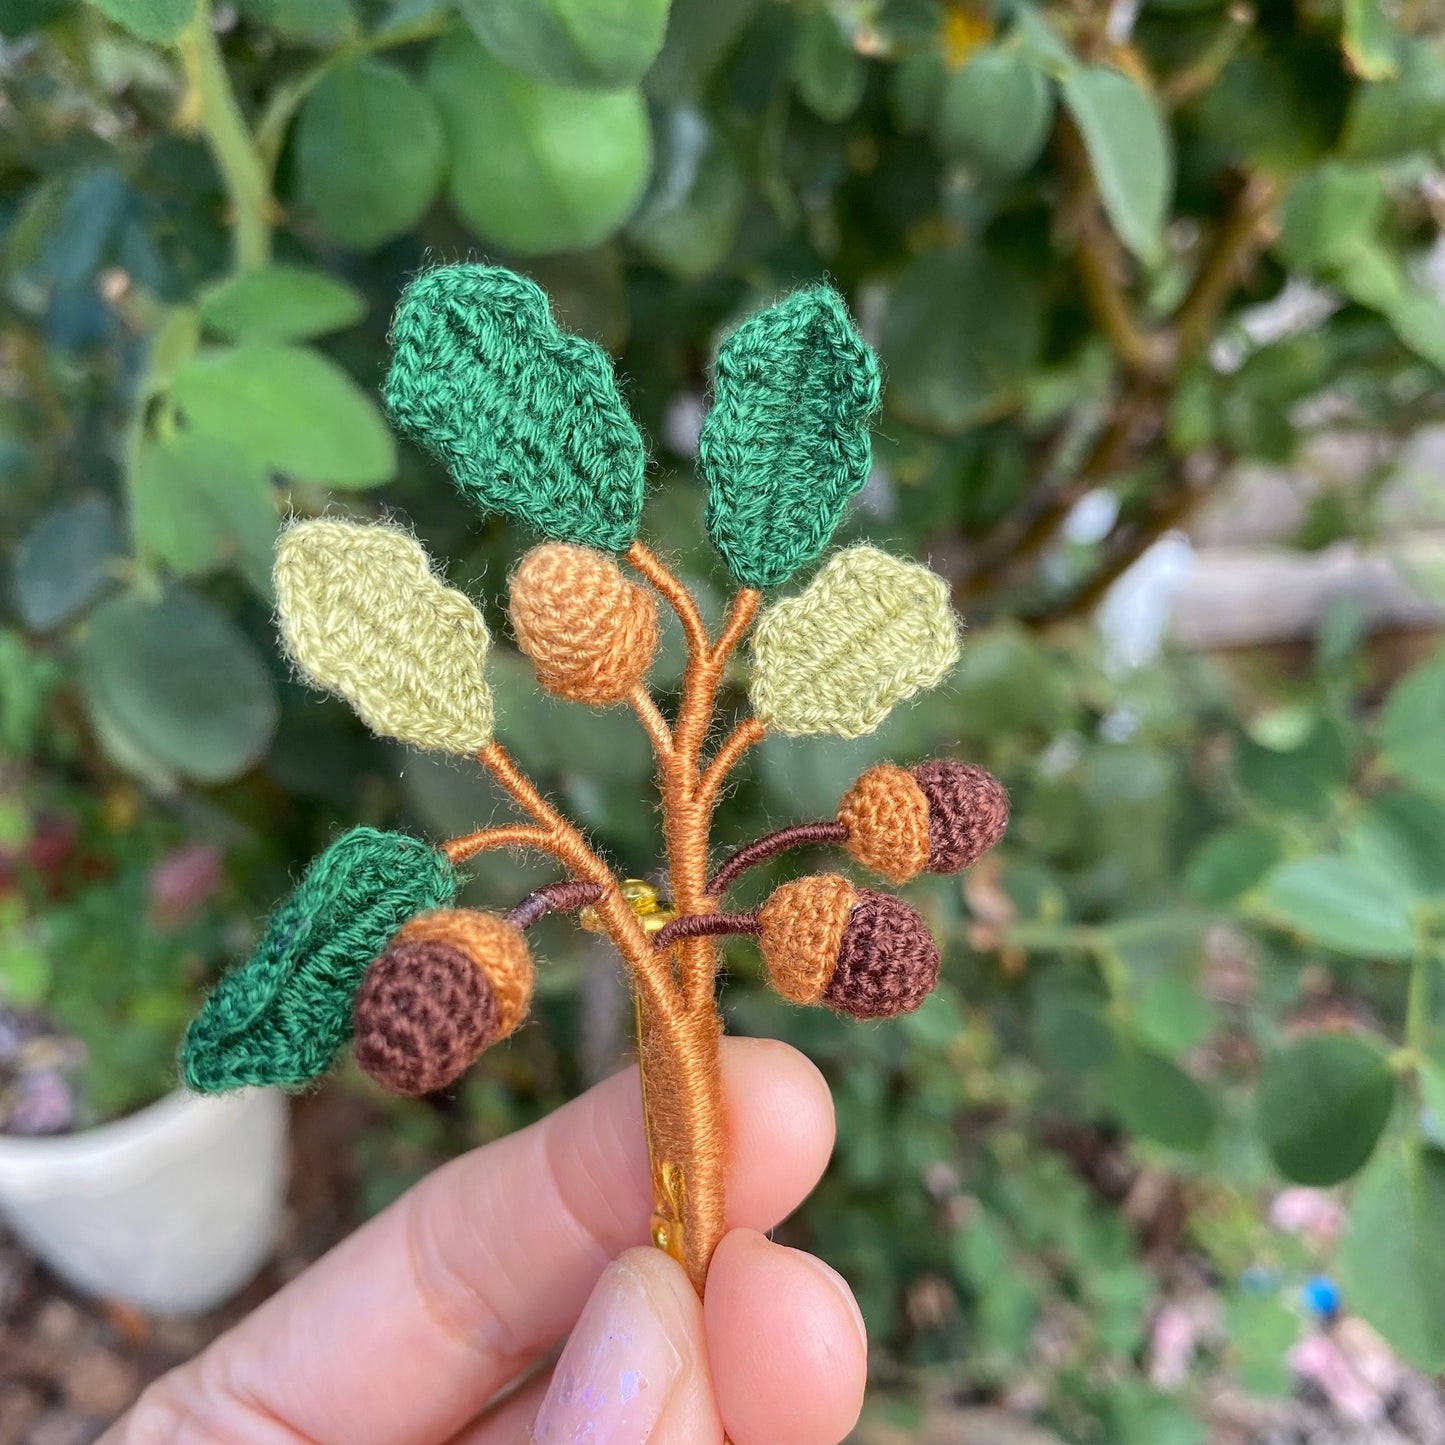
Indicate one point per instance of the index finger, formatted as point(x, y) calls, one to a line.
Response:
point(405, 1330)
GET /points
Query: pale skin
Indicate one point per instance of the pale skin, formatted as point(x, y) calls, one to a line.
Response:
point(438, 1322)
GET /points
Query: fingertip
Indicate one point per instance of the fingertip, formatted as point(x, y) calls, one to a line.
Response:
point(787, 1344)
point(781, 1129)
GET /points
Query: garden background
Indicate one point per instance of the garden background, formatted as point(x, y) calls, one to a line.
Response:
point(1161, 1161)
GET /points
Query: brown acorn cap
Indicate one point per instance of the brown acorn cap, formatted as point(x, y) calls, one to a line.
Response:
point(800, 929)
point(887, 962)
point(968, 811)
point(423, 1013)
point(886, 815)
point(590, 631)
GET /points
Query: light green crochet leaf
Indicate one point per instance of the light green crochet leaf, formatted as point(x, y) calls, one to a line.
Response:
point(868, 631)
point(281, 1017)
point(786, 442)
point(363, 615)
point(526, 418)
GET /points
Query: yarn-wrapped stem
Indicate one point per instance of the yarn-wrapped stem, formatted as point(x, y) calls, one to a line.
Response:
point(680, 1063)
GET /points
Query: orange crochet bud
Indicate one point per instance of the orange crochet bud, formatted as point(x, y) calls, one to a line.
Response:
point(863, 953)
point(591, 632)
point(451, 983)
point(941, 816)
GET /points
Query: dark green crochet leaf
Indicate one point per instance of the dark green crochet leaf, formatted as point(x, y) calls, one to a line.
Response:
point(525, 417)
point(786, 442)
point(281, 1017)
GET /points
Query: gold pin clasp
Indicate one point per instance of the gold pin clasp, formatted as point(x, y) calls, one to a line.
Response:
point(649, 907)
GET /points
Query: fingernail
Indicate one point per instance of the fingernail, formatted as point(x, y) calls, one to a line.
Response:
point(618, 1371)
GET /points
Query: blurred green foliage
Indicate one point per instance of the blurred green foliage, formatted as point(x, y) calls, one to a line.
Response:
point(1208, 951)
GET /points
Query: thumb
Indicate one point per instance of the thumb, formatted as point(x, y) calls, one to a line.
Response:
point(634, 1370)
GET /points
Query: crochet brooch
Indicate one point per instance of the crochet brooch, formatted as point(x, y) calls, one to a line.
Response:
point(529, 422)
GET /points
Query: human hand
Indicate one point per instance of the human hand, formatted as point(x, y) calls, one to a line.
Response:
point(409, 1331)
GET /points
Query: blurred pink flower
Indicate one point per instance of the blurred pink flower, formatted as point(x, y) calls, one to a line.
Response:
point(1309, 1212)
point(182, 881)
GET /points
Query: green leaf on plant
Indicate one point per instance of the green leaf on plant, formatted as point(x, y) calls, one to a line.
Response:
point(690, 219)
point(1342, 904)
point(964, 330)
point(536, 168)
point(1412, 728)
point(370, 152)
point(829, 73)
point(314, 22)
point(1406, 113)
point(290, 408)
point(159, 21)
point(1173, 1014)
point(197, 504)
point(1369, 40)
point(585, 44)
point(1323, 1103)
point(177, 683)
point(786, 442)
point(280, 1018)
point(996, 112)
point(1130, 151)
point(1154, 1097)
point(1404, 834)
point(24, 969)
point(280, 303)
point(65, 561)
point(1328, 211)
point(1230, 862)
point(1391, 1262)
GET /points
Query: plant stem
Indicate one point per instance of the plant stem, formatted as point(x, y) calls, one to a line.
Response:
point(230, 141)
point(1417, 1005)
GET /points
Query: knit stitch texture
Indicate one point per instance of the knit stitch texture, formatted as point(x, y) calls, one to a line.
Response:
point(526, 418)
point(786, 442)
point(886, 815)
point(800, 929)
point(887, 960)
point(424, 1012)
point(868, 631)
point(968, 812)
point(590, 631)
point(362, 614)
point(494, 945)
point(280, 1018)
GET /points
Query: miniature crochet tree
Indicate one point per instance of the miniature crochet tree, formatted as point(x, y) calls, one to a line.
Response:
point(529, 422)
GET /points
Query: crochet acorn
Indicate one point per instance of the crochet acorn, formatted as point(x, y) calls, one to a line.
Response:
point(529, 422)
point(591, 634)
point(450, 984)
point(941, 816)
point(862, 953)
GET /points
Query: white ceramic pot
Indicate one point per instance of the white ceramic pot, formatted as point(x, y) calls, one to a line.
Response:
point(172, 1209)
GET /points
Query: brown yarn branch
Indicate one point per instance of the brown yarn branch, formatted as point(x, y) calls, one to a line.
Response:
point(1137, 415)
point(564, 897)
point(670, 588)
point(705, 925)
point(565, 842)
point(653, 722)
point(737, 742)
point(769, 846)
point(679, 1057)
point(508, 835)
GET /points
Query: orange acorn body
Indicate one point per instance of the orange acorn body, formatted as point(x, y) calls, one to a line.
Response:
point(591, 632)
point(862, 953)
point(941, 816)
point(450, 984)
